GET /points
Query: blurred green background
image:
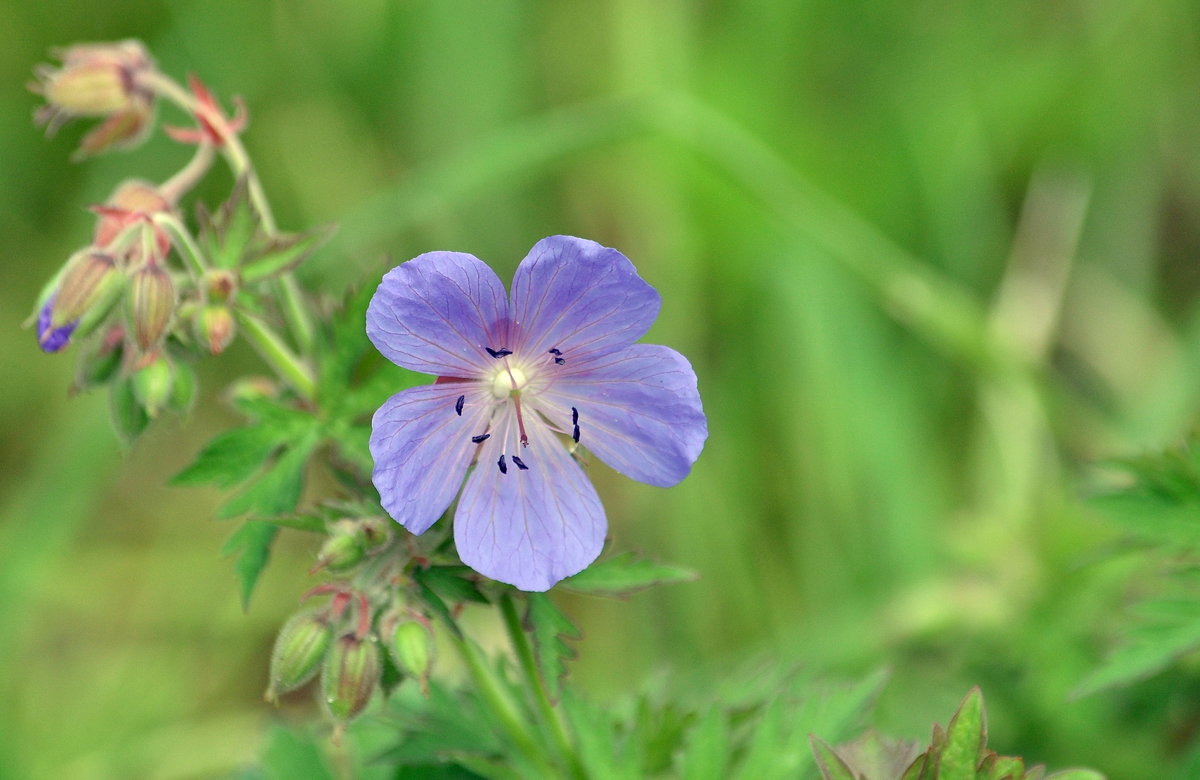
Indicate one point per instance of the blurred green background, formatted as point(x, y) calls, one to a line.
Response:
point(930, 261)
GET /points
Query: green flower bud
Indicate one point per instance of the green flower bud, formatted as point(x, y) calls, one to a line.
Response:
point(412, 650)
point(345, 547)
point(151, 303)
point(350, 675)
point(299, 650)
point(215, 327)
point(91, 284)
point(153, 385)
point(377, 532)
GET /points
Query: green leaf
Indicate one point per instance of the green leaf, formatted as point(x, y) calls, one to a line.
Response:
point(966, 736)
point(278, 490)
point(706, 749)
point(252, 543)
point(831, 765)
point(232, 457)
point(283, 253)
point(435, 604)
point(1076, 774)
point(226, 235)
point(294, 756)
point(549, 628)
point(624, 574)
point(595, 729)
point(1169, 628)
point(453, 583)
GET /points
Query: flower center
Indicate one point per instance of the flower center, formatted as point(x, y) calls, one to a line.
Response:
point(507, 380)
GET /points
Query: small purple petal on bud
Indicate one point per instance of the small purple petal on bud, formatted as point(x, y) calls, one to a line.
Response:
point(299, 650)
point(350, 675)
point(50, 338)
point(151, 303)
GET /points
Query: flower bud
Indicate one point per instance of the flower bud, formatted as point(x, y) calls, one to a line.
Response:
point(412, 650)
point(349, 676)
point(377, 532)
point(92, 281)
point(215, 327)
point(132, 201)
point(151, 303)
point(98, 364)
point(98, 80)
point(299, 650)
point(344, 548)
point(153, 385)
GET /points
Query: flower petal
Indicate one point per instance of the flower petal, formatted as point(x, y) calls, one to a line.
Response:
point(581, 298)
point(422, 448)
point(529, 527)
point(437, 313)
point(638, 411)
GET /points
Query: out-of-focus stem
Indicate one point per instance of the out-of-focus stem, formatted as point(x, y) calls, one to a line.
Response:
point(276, 353)
point(524, 651)
point(175, 187)
point(184, 242)
point(290, 298)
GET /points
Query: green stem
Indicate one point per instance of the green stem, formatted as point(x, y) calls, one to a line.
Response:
point(290, 297)
point(499, 703)
point(276, 353)
point(188, 249)
point(524, 651)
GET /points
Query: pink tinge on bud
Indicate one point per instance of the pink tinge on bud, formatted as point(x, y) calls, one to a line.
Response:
point(215, 327)
point(151, 304)
point(133, 201)
point(98, 80)
point(90, 281)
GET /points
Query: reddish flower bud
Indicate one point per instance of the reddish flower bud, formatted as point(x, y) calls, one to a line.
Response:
point(134, 200)
point(215, 327)
point(350, 675)
point(151, 304)
point(299, 650)
point(98, 80)
point(91, 282)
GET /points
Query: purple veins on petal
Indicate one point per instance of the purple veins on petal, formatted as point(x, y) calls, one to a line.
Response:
point(458, 405)
point(503, 466)
point(520, 464)
point(481, 438)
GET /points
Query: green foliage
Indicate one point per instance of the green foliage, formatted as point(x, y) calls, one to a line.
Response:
point(1159, 509)
point(624, 574)
point(957, 753)
point(550, 630)
point(252, 545)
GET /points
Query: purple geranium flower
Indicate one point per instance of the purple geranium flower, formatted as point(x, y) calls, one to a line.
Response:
point(520, 383)
point(50, 338)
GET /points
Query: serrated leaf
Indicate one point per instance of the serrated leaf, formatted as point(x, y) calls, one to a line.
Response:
point(1171, 628)
point(624, 574)
point(252, 544)
point(829, 762)
point(706, 748)
point(966, 737)
point(231, 230)
point(232, 457)
point(549, 629)
point(283, 253)
point(277, 490)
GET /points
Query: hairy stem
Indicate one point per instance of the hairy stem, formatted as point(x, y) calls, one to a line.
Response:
point(277, 355)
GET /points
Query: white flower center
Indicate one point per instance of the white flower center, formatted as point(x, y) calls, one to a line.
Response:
point(506, 380)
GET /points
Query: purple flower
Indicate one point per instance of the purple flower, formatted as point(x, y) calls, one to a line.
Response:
point(521, 382)
point(50, 338)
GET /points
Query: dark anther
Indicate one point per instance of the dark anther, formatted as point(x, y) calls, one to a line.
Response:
point(503, 466)
point(481, 438)
point(560, 361)
point(574, 416)
point(498, 353)
point(519, 464)
point(575, 434)
point(458, 405)
point(556, 351)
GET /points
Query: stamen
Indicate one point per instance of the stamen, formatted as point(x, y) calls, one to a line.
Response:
point(458, 405)
point(575, 434)
point(574, 416)
point(520, 419)
point(560, 361)
point(519, 463)
point(480, 438)
point(498, 353)
point(556, 351)
point(502, 465)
